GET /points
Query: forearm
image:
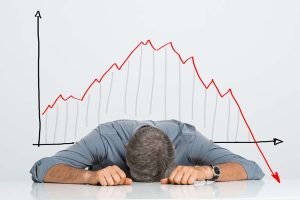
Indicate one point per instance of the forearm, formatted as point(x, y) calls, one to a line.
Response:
point(66, 174)
point(232, 172)
point(229, 172)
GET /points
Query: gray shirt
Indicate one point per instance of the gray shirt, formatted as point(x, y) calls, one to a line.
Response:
point(105, 146)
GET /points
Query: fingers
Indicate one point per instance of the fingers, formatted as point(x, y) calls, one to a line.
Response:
point(185, 178)
point(127, 181)
point(120, 173)
point(116, 178)
point(181, 175)
point(109, 179)
point(178, 177)
point(165, 181)
point(173, 174)
point(112, 175)
point(102, 180)
point(191, 180)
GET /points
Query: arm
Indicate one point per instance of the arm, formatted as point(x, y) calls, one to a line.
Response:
point(205, 172)
point(188, 174)
point(68, 166)
point(204, 152)
point(86, 152)
point(111, 175)
point(63, 173)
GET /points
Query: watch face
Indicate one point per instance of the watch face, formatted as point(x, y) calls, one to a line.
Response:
point(217, 170)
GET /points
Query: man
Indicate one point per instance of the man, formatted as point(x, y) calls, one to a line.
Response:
point(123, 151)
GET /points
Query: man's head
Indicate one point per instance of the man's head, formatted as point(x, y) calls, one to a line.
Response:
point(150, 155)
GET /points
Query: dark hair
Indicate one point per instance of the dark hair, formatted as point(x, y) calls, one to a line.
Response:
point(150, 155)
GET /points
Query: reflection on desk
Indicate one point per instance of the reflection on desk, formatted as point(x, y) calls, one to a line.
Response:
point(237, 189)
point(264, 189)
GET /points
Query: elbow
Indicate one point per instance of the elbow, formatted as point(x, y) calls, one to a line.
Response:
point(35, 172)
point(254, 172)
point(40, 168)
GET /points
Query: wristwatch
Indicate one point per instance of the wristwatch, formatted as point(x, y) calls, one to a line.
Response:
point(216, 172)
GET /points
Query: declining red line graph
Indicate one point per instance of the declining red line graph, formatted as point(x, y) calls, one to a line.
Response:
point(191, 58)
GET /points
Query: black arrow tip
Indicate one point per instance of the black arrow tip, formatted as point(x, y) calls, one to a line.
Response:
point(277, 141)
point(38, 14)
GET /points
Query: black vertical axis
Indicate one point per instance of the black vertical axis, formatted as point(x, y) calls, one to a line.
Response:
point(38, 17)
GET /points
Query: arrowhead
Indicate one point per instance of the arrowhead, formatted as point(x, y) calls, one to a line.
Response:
point(277, 141)
point(276, 176)
point(38, 14)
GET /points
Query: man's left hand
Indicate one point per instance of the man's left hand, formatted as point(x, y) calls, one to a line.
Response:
point(186, 175)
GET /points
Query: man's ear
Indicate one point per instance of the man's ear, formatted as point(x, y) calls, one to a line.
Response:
point(173, 146)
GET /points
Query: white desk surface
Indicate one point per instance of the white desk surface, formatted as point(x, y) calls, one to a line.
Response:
point(265, 189)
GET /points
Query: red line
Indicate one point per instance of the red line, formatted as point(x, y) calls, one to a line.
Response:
point(212, 82)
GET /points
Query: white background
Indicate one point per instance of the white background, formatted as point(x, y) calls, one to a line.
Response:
point(252, 47)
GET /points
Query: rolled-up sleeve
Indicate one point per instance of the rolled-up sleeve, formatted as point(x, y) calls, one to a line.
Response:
point(84, 153)
point(202, 151)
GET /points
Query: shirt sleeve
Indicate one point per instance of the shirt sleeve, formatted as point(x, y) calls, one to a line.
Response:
point(84, 153)
point(205, 152)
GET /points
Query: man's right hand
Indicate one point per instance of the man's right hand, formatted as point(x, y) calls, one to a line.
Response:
point(111, 175)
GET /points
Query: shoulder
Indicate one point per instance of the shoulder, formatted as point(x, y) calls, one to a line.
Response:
point(168, 125)
point(119, 129)
point(177, 130)
point(112, 127)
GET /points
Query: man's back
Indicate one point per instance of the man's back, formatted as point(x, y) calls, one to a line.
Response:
point(106, 146)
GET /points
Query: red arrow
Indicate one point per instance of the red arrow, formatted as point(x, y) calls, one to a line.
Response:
point(276, 176)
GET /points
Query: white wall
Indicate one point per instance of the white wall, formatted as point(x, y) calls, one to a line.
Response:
point(251, 47)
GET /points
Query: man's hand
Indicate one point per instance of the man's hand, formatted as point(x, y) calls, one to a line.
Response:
point(188, 174)
point(111, 175)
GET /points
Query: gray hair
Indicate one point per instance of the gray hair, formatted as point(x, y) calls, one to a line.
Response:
point(150, 155)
